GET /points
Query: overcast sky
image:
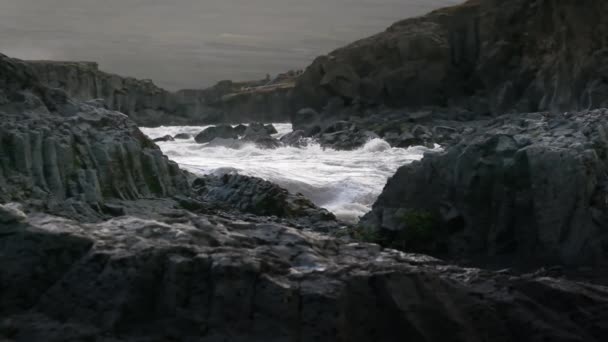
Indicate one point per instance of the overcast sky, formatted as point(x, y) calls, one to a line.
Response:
point(194, 43)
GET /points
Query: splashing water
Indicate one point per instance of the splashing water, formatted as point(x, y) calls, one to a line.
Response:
point(345, 182)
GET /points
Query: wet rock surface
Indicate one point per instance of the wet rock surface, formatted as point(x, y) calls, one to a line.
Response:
point(102, 238)
point(214, 132)
point(263, 198)
point(239, 136)
point(203, 278)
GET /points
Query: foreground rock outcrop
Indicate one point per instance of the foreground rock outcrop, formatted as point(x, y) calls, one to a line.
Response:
point(483, 57)
point(529, 188)
point(263, 198)
point(148, 105)
point(187, 277)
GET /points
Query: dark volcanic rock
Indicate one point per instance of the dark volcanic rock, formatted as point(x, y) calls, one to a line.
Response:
point(164, 139)
point(345, 140)
point(270, 129)
point(182, 136)
point(148, 105)
point(262, 141)
point(71, 157)
point(295, 139)
point(262, 198)
point(220, 131)
point(483, 55)
point(208, 278)
point(527, 188)
point(171, 267)
point(11, 214)
point(259, 134)
point(240, 129)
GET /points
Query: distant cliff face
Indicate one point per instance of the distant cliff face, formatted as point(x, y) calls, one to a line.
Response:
point(149, 105)
point(487, 56)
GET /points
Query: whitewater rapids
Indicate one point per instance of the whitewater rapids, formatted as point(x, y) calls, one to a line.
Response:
point(344, 182)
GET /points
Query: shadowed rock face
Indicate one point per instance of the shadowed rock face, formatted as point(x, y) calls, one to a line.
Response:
point(486, 56)
point(149, 105)
point(262, 198)
point(207, 278)
point(56, 150)
point(530, 188)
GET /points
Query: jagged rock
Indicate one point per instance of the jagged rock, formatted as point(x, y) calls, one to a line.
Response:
point(182, 136)
point(307, 120)
point(210, 278)
point(345, 140)
point(482, 56)
point(240, 129)
point(149, 105)
point(259, 134)
point(11, 214)
point(526, 187)
point(295, 139)
point(262, 141)
point(164, 139)
point(63, 153)
point(256, 128)
point(220, 131)
point(270, 129)
point(262, 198)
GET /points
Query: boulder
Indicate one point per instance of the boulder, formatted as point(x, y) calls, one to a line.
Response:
point(307, 119)
point(220, 131)
point(270, 129)
point(164, 139)
point(240, 129)
point(259, 197)
point(345, 140)
point(295, 139)
point(182, 136)
point(258, 134)
point(256, 128)
point(525, 188)
point(262, 140)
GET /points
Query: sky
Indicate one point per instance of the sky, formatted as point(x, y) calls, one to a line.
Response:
point(194, 43)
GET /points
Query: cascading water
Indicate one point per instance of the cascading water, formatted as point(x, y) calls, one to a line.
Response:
point(344, 182)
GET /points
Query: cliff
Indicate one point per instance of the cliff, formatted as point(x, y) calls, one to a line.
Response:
point(484, 56)
point(149, 105)
point(65, 156)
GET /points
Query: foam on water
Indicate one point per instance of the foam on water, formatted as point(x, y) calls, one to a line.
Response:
point(344, 182)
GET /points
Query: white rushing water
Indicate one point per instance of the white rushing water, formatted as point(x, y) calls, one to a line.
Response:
point(345, 182)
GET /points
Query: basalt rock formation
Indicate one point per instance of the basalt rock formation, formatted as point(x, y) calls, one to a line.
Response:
point(263, 198)
point(70, 156)
point(187, 277)
point(148, 105)
point(109, 241)
point(481, 57)
point(527, 188)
